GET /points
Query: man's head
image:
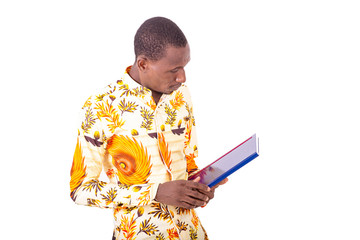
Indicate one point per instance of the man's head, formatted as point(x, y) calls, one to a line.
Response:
point(155, 35)
point(162, 53)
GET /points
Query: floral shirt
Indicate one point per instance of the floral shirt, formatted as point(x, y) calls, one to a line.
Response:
point(139, 145)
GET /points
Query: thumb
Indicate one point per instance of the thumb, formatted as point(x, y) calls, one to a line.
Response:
point(197, 179)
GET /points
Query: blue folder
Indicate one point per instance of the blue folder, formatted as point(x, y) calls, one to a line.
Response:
point(229, 163)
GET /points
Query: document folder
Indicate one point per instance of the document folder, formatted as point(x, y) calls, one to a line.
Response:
point(229, 163)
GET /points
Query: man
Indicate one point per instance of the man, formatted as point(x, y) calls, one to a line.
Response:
point(141, 131)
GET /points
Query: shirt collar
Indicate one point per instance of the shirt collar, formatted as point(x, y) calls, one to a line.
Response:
point(129, 83)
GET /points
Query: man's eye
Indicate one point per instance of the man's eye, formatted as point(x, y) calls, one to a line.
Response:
point(174, 70)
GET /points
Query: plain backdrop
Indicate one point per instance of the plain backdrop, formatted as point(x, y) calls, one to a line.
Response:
point(286, 70)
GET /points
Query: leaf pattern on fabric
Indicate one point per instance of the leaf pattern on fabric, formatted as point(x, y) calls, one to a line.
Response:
point(148, 228)
point(190, 163)
point(165, 153)
point(127, 106)
point(188, 134)
point(182, 226)
point(173, 234)
point(107, 111)
point(178, 101)
point(110, 196)
point(193, 233)
point(78, 170)
point(195, 219)
point(128, 227)
point(171, 115)
point(144, 198)
point(89, 120)
point(148, 117)
point(161, 212)
point(95, 185)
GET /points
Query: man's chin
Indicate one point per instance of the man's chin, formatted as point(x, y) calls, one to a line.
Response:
point(176, 87)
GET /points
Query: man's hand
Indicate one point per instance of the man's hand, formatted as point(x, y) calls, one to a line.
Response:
point(217, 185)
point(220, 183)
point(185, 194)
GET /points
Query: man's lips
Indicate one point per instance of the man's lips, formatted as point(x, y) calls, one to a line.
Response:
point(176, 86)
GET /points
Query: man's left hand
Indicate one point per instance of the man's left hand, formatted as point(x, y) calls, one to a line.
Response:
point(220, 183)
point(216, 186)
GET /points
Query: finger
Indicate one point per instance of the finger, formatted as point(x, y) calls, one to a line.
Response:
point(203, 206)
point(192, 202)
point(198, 195)
point(224, 181)
point(198, 186)
point(186, 205)
point(210, 194)
point(220, 183)
point(197, 179)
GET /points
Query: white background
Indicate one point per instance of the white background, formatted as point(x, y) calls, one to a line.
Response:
point(286, 70)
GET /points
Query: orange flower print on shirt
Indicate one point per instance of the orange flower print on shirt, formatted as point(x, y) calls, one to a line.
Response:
point(78, 170)
point(130, 158)
point(164, 150)
point(190, 163)
point(178, 101)
point(151, 104)
point(173, 234)
point(188, 133)
point(128, 227)
point(195, 219)
point(144, 198)
point(110, 173)
point(107, 111)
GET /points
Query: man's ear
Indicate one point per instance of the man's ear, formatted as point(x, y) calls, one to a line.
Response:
point(142, 63)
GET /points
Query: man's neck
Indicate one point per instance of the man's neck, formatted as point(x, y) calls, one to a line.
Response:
point(156, 96)
point(134, 74)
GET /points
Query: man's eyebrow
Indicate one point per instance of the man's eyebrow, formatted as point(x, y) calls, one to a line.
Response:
point(178, 67)
point(184, 65)
point(174, 69)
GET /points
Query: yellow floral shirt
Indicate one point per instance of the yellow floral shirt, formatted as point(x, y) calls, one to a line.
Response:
point(139, 145)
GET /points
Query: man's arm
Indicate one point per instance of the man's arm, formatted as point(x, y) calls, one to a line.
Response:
point(184, 193)
point(89, 158)
point(87, 189)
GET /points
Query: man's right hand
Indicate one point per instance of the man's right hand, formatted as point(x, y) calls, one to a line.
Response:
point(183, 193)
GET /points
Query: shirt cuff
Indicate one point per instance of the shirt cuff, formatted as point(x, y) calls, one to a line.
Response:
point(153, 191)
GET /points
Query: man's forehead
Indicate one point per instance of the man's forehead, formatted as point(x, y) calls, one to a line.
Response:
point(177, 55)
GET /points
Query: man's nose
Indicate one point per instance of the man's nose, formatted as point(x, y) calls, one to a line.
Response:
point(181, 77)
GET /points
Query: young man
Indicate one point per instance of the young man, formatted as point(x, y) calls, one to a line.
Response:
point(141, 131)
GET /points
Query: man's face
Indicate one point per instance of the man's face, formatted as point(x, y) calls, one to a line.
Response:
point(167, 74)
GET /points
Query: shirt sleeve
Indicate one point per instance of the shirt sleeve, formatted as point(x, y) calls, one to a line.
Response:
point(191, 143)
point(88, 160)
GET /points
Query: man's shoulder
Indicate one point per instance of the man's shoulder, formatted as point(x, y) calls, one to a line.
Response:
point(103, 96)
point(103, 93)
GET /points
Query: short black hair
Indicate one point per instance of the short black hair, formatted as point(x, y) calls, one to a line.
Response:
point(155, 35)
